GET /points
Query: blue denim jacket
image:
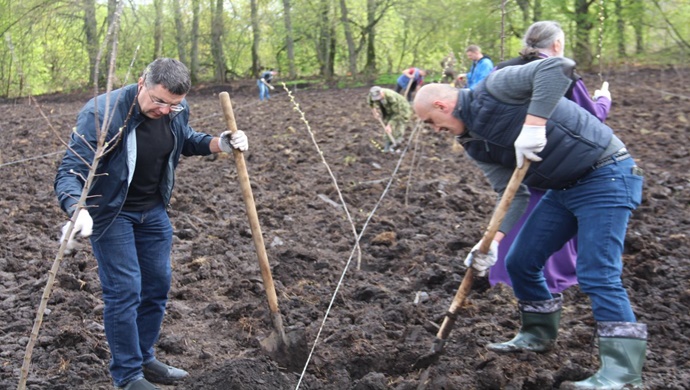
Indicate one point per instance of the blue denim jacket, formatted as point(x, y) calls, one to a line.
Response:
point(116, 169)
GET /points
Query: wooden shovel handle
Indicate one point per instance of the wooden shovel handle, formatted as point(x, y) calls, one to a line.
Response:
point(390, 136)
point(409, 84)
point(503, 206)
point(248, 197)
point(484, 246)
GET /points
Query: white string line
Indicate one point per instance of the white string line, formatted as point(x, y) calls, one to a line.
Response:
point(23, 160)
point(323, 159)
point(30, 158)
point(349, 260)
point(662, 92)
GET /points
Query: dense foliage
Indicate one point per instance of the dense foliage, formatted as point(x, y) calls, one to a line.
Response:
point(51, 46)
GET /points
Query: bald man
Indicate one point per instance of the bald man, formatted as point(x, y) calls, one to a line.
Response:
point(592, 184)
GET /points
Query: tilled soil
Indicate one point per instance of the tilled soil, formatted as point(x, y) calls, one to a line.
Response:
point(430, 206)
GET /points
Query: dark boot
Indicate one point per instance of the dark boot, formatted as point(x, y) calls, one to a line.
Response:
point(139, 384)
point(157, 372)
point(539, 328)
point(622, 348)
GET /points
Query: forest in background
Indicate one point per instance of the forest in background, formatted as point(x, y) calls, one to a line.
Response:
point(53, 45)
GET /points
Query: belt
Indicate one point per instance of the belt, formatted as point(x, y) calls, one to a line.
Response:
point(620, 155)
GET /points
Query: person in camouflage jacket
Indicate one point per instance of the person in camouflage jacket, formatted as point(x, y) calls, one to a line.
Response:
point(394, 110)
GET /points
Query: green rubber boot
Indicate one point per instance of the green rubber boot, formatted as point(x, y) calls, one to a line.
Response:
point(539, 328)
point(622, 349)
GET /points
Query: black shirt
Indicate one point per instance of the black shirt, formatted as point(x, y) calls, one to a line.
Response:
point(154, 144)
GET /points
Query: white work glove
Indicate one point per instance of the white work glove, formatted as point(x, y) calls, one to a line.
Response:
point(604, 91)
point(481, 261)
point(532, 140)
point(270, 86)
point(83, 225)
point(228, 141)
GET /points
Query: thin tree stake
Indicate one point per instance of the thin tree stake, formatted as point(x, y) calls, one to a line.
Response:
point(26, 365)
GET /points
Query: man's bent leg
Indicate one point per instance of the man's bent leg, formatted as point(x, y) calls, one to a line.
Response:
point(547, 228)
point(154, 244)
point(118, 270)
point(603, 203)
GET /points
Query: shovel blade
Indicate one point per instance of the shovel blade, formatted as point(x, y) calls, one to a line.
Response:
point(273, 344)
point(432, 357)
point(288, 350)
point(425, 361)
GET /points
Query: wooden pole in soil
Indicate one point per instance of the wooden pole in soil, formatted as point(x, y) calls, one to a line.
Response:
point(466, 284)
point(253, 217)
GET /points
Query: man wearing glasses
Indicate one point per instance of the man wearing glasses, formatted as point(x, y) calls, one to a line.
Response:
point(125, 214)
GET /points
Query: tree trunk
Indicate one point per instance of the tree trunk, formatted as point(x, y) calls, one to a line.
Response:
point(331, 53)
point(370, 66)
point(537, 11)
point(217, 42)
point(620, 28)
point(289, 42)
point(194, 68)
point(108, 47)
point(91, 32)
point(525, 8)
point(180, 35)
point(583, 28)
point(324, 39)
point(351, 51)
point(256, 37)
point(158, 29)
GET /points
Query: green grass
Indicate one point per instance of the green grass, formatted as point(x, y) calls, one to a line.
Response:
point(387, 79)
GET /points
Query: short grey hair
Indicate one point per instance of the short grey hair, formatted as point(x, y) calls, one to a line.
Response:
point(172, 74)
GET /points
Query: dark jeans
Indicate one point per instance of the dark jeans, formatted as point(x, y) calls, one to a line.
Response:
point(134, 268)
point(597, 210)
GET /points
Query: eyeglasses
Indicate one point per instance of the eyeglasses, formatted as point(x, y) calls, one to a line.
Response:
point(157, 102)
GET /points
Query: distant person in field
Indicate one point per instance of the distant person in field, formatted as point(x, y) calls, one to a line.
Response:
point(393, 110)
point(480, 68)
point(542, 40)
point(448, 65)
point(264, 84)
point(126, 213)
point(409, 81)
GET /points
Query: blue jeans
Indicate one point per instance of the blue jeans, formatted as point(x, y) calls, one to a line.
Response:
point(596, 209)
point(134, 268)
point(263, 90)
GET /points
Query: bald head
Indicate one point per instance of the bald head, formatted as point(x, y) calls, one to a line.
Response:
point(428, 94)
point(434, 105)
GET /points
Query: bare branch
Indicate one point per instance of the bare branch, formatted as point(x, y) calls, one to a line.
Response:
point(112, 32)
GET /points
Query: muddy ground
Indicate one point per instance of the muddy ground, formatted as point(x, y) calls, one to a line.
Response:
point(433, 212)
